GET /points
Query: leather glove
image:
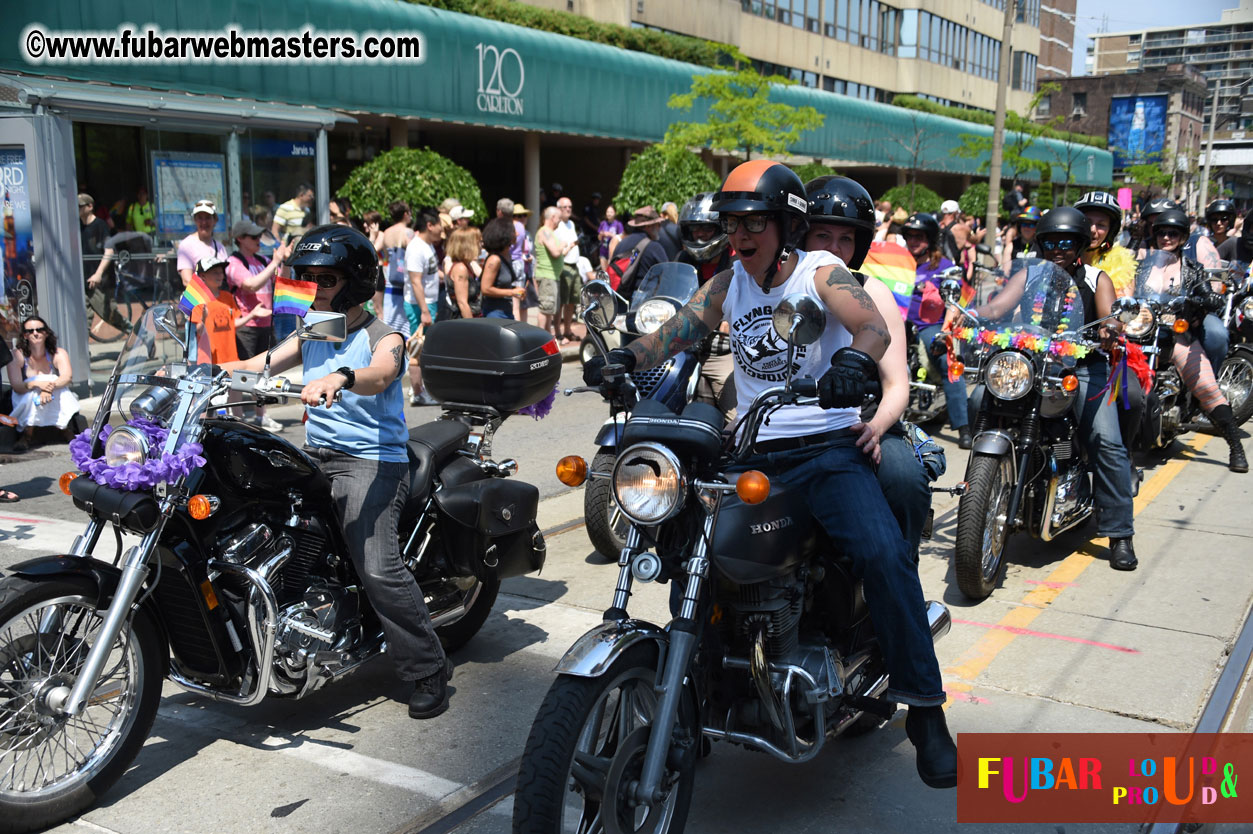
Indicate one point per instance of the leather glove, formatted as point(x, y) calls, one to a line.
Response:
point(844, 383)
point(594, 370)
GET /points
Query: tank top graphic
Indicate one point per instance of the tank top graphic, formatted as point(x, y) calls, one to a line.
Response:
point(761, 355)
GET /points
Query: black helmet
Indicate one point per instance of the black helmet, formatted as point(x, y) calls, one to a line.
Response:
point(1157, 206)
point(843, 202)
point(697, 212)
point(1106, 203)
point(1171, 218)
point(343, 248)
point(1065, 220)
point(926, 223)
point(1221, 207)
point(764, 185)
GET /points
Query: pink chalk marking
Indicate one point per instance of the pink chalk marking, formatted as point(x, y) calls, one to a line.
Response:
point(1029, 633)
point(965, 696)
point(1048, 584)
point(24, 520)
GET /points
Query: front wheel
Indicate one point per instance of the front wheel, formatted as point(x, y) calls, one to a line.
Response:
point(53, 766)
point(983, 525)
point(606, 525)
point(586, 750)
point(1235, 378)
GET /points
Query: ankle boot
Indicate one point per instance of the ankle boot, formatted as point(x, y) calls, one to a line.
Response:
point(937, 754)
point(1225, 422)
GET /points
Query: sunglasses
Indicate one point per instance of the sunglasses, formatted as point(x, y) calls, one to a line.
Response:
point(1026, 225)
point(754, 223)
point(35, 330)
point(1168, 232)
point(1058, 243)
point(324, 280)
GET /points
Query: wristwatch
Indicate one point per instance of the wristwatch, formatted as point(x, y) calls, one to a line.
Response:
point(348, 375)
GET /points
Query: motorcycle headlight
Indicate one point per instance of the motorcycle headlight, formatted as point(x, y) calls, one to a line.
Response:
point(1009, 375)
point(1246, 309)
point(125, 445)
point(648, 483)
point(1142, 326)
point(652, 314)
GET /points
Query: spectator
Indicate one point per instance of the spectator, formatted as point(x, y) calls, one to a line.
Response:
point(589, 225)
point(421, 293)
point(220, 317)
point(882, 212)
point(200, 243)
point(250, 277)
point(117, 215)
point(98, 275)
point(948, 241)
point(262, 216)
point(462, 286)
point(670, 235)
point(292, 216)
point(610, 228)
point(646, 222)
point(395, 241)
point(460, 217)
point(890, 231)
point(140, 217)
point(522, 259)
point(446, 207)
point(504, 207)
point(499, 285)
point(1014, 200)
point(550, 253)
point(269, 201)
point(568, 282)
point(373, 223)
point(340, 210)
point(553, 196)
point(40, 374)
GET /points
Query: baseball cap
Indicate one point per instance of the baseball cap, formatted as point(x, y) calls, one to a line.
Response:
point(245, 228)
point(208, 262)
point(461, 213)
point(85, 200)
point(205, 207)
point(949, 207)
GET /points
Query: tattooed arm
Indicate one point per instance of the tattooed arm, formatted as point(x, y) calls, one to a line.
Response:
point(849, 302)
point(697, 319)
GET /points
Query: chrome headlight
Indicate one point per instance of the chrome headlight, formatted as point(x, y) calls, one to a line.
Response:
point(1141, 327)
point(126, 445)
point(648, 483)
point(1246, 308)
point(652, 314)
point(1009, 375)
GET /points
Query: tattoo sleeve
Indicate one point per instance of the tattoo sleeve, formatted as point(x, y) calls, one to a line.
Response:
point(398, 354)
point(684, 329)
point(878, 331)
point(842, 280)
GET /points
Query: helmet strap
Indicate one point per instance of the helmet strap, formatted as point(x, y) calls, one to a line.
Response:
point(781, 257)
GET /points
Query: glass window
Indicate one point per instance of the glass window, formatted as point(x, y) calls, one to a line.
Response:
point(935, 38)
point(828, 18)
point(828, 83)
point(874, 26)
point(841, 20)
point(909, 34)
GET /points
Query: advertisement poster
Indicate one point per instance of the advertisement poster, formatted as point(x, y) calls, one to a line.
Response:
point(1137, 129)
point(17, 266)
point(183, 179)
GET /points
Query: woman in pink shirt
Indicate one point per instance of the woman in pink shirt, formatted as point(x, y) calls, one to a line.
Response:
point(250, 278)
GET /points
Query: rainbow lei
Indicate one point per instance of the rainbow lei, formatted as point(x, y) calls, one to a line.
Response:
point(1037, 308)
point(1022, 341)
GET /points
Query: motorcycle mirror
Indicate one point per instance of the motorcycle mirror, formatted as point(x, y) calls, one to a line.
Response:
point(324, 327)
point(600, 304)
point(799, 319)
point(163, 316)
point(1127, 310)
point(951, 290)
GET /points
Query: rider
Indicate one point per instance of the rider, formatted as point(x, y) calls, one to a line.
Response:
point(1062, 237)
point(1220, 216)
point(841, 221)
point(762, 206)
point(1103, 252)
point(1169, 228)
point(922, 234)
point(1143, 239)
point(359, 443)
point(705, 247)
point(1020, 236)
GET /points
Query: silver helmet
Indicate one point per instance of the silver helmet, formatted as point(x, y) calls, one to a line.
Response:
point(697, 212)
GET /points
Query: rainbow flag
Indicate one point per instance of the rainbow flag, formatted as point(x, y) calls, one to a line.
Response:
point(197, 293)
point(892, 264)
point(294, 297)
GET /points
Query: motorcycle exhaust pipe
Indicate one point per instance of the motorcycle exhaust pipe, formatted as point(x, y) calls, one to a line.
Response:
point(938, 619)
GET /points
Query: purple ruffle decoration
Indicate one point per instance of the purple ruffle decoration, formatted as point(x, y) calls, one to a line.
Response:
point(540, 410)
point(134, 476)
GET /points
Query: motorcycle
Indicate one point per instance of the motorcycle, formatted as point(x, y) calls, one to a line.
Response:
point(927, 400)
point(771, 646)
point(661, 293)
point(1027, 469)
point(240, 586)
point(1235, 376)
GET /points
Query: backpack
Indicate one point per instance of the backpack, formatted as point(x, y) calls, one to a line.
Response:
point(622, 269)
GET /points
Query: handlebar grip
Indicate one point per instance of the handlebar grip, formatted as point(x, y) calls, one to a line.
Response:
point(874, 388)
point(804, 387)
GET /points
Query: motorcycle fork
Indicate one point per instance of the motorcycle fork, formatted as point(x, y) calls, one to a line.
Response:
point(1029, 437)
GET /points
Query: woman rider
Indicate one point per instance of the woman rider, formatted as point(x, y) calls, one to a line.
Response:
point(841, 221)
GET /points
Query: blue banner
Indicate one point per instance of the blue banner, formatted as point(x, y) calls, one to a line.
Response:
point(17, 268)
point(281, 148)
point(1137, 129)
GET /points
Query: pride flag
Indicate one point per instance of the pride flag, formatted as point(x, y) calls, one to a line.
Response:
point(892, 264)
point(197, 293)
point(294, 297)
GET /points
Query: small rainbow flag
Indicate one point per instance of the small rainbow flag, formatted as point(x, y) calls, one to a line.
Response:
point(294, 297)
point(892, 264)
point(197, 293)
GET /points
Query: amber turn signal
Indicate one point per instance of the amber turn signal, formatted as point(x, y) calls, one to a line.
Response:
point(201, 507)
point(752, 487)
point(1181, 326)
point(64, 481)
point(572, 470)
point(957, 368)
point(1070, 383)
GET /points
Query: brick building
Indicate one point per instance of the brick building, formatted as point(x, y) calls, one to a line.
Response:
point(1057, 39)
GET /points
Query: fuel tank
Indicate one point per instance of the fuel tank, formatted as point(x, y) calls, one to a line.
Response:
point(756, 542)
point(254, 462)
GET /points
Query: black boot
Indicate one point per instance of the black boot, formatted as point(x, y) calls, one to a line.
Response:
point(1122, 556)
point(964, 440)
point(1225, 422)
point(937, 754)
point(430, 694)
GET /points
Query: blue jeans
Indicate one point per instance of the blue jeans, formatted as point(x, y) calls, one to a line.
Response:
point(284, 325)
point(1108, 457)
point(1215, 341)
point(954, 392)
point(905, 486)
point(846, 500)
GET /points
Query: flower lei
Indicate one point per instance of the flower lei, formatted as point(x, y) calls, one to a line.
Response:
point(1022, 341)
point(1037, 308)
point(135, 476)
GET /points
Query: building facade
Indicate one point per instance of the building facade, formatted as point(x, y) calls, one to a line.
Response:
point(1057, 39)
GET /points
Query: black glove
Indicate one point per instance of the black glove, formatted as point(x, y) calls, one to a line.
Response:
point(844, 383)
point(594, 370)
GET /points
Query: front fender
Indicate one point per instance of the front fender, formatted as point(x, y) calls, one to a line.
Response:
point(610, 434)
point(1245, 351)
point(594, 652)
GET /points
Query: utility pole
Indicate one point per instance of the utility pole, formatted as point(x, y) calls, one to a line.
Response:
point(1209, 149)
point(998, 123)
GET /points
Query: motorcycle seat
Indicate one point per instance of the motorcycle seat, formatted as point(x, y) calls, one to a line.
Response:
point(430, 446)
point(697, 431)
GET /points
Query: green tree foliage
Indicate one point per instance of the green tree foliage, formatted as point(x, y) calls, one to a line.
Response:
point(419, 177)
point(813, 170)
point(913, 197)
point(982, 117)
point(1151, 174)
point(974, 201)
point(659, 174)
point(1044, 194)
point(740, 117)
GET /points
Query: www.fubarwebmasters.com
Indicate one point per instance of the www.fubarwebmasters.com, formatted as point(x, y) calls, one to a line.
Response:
point(231, 44)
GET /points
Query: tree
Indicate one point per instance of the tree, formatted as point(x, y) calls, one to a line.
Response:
point(419, 177)
point(813, 170)
point(974, 200)
point(1014, 153)
point(740, 116)
point(915, 143)
point(662, 173)
point(913, 198)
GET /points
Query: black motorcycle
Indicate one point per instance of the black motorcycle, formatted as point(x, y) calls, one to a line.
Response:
point(1235, 376)
point(240, 585)
point(771, 646)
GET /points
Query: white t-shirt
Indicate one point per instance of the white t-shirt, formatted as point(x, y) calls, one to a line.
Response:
point(584, 267)
point(566, 233)
point(420, 258)
point(761, 355)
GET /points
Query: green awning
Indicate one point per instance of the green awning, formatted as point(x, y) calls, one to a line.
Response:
point(482, 72)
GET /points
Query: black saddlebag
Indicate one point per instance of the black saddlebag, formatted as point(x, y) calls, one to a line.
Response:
point(488, 527)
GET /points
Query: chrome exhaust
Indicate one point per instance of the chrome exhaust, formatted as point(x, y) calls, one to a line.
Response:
point(938, 619)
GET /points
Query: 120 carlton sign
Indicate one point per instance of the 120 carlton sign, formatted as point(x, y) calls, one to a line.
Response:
point(501, 76)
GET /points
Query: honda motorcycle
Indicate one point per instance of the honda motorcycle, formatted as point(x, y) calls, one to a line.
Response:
point(771, 646)
point(1028, 469)
point(240, 585)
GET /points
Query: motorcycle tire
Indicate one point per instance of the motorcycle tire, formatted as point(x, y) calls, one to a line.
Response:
point(1235, 377)
point(554, 770)
point(587, 350)
point(979, 552)
point(606, 526)
point(456, 634)
point(141, 656)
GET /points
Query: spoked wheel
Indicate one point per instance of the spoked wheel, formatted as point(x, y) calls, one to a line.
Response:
point(586, 751)
point(606, 525)
point(983, 525)
point(53, 766)
point(1235, 378)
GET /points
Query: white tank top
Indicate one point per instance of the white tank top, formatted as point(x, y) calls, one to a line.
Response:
point(761, 355)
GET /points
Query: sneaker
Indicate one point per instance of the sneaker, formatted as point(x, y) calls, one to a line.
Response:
point(270, 424)
point(430, 694)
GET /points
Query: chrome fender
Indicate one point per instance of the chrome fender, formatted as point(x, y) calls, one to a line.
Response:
point(594, 652)
point(994, 442)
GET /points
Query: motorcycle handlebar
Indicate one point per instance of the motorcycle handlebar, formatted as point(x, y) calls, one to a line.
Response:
point(808, 387)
